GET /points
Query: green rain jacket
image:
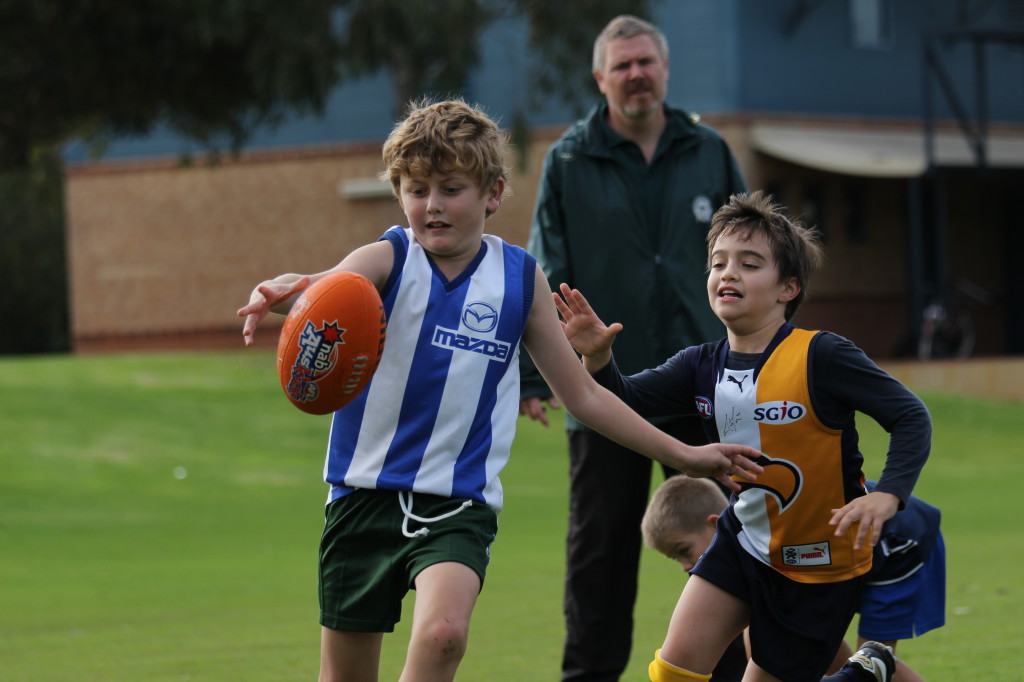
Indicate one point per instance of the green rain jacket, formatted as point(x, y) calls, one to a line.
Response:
point(591, 231)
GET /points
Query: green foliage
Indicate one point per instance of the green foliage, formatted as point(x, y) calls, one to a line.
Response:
point(213, 71)
point(33, 309)
point(430, 47)
point(96, 69)
point(159, 517)
point(206, 69)
point(567, 44)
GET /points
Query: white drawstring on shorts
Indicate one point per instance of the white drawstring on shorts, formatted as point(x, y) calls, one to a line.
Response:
point(407, 511)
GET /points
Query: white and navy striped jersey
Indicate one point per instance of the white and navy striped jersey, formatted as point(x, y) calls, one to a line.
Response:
point(439, 415)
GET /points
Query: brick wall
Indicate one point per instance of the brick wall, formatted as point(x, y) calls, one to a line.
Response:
point(163, 255)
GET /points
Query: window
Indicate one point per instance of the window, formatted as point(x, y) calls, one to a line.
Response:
point(871, 24)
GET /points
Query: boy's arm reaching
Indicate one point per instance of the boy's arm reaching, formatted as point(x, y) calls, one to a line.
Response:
point(273, 295)
point(373, 261)
point(601, 410)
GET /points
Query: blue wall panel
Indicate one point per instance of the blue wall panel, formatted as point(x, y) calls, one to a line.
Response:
point(726, 56)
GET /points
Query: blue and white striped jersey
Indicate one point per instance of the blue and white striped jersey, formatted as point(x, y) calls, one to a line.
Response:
point(439, 415)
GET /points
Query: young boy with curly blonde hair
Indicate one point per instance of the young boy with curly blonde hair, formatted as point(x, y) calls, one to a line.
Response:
point(413, 462)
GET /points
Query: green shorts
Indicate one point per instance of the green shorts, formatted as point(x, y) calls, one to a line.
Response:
point(368, 565)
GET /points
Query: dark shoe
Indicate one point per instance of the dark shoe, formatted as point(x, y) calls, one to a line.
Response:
point(877, 659)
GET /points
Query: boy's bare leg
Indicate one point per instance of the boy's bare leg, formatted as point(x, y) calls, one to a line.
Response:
point(349, 656)
point(845, 651)
point(698, 649)
point(445, 596)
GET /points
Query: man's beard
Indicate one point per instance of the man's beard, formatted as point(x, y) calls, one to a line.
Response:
point(638, 113)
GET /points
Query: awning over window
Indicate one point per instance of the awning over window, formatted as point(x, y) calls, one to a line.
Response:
point(877, 152)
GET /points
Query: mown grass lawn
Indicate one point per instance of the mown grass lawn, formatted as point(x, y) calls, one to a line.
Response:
point(160, 513)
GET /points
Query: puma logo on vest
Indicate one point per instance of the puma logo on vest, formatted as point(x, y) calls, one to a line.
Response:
point(738, 382)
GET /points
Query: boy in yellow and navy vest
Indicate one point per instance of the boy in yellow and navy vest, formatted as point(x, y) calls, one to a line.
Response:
point(791, 552)
point(905, 593)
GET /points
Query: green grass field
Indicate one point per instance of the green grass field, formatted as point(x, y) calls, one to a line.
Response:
point(160, 513)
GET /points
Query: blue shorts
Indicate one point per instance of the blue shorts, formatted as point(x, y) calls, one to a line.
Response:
point(909, 607)
point(795, 628)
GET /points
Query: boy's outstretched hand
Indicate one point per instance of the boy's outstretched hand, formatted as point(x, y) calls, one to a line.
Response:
point(264, 297)
point(587, 334)
point(722, 461)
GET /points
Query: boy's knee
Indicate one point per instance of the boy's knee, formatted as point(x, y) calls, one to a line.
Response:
point(662, 671)
point(444, 640)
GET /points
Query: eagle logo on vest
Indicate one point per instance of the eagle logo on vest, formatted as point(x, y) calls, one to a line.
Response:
point(781, 479)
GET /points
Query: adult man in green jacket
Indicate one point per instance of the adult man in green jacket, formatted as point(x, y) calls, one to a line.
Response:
point(624, 205)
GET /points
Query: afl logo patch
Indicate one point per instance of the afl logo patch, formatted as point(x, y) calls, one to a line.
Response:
point(704, 407)
point(480, 317)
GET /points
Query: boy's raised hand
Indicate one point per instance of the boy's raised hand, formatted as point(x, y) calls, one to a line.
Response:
point(584, 329)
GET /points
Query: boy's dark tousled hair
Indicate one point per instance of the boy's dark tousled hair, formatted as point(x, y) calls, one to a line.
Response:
point(797, 249)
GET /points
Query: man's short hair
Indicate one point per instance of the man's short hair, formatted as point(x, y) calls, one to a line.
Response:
point(627, 26)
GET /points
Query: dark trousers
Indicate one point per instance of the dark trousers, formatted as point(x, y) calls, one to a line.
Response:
point(608, 491)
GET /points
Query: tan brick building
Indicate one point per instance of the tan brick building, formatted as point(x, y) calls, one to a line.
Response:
point(162, 255)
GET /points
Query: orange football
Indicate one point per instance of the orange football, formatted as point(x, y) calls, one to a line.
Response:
point(331, 342)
